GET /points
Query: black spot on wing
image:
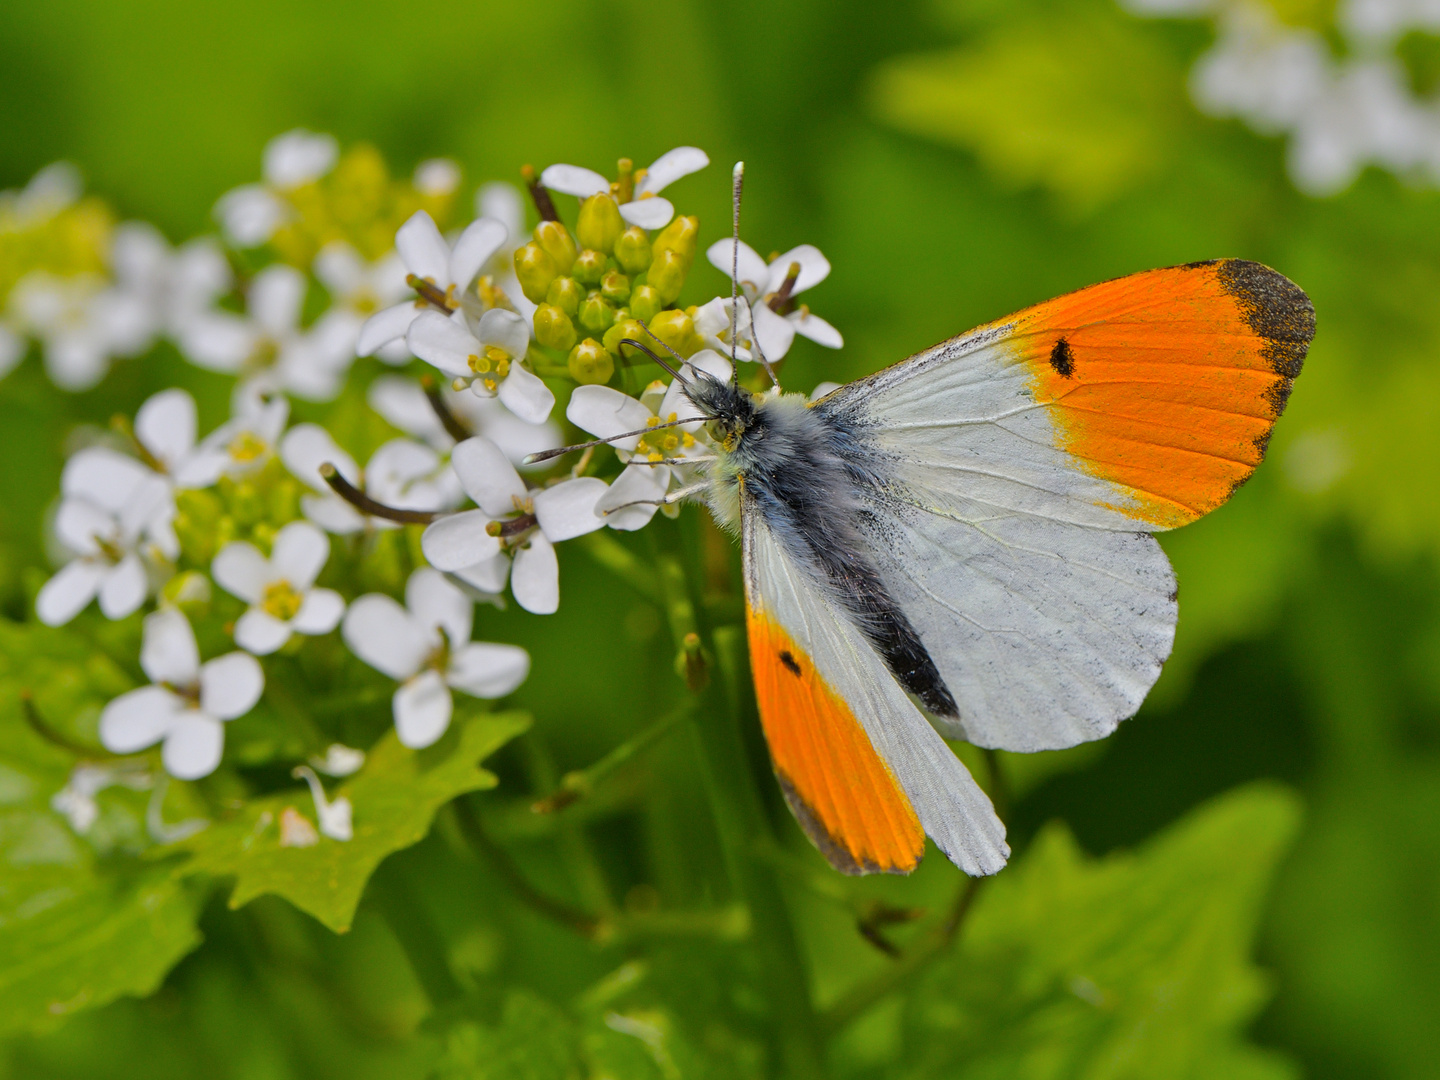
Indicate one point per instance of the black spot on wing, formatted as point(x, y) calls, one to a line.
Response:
point(789, 662)
point(1062, 359)
point(1277, 310)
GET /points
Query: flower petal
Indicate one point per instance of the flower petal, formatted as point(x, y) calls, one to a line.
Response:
point(504, 329)
point(823, 389)
point(422, 710)
point(488, 671)
point(80, 525)
point(275, 298)
point(473, 249)
point(753, 270)
point(381, 632)
point(574, 180)
point(168, 653)
point(567, 510)
point(535, 577)
point(306, 447)
point(297, 157)
point(605, 413)
point(505, 204)
point(390, 324)
point(231, 685)
point(319, 613)
point(459, 540)
point(487, 576)
point(814, 268)
point(124, 588)
point(138, 719)
point(104, 477)
point(488, 477)
point(249, 215)
point(652, 213)
point(816, 329)
point(242, 571)
point(424, 250)
point(773, 333)
point(335, 515)
point(433, 601)
point(444, 342)
point(526, 395)
point(633, 498)
point(67, 593)
point(299, 554)
point(193, 746)
point(401, 402)
point(672, 165)
point(165, 426)
point(218, 341)
point(259, 632)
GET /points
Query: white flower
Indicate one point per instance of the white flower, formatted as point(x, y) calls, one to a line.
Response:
point(436, 177)
point(477, 545)
point(115, 516)
point(357, 290)
point(281, 589)
point(165, 428)
point(83, 324)
point(267, 346)
point(448, 273)
point(646, 209)
point(487, 356)
point(52, 189)
point(188, 702)
point(764, 285)
point(426, 646)
point(334, 817)
point(76, 800)
point(403, 474)
point(173, 285)
point(339, 760)
point(403, 403)
point(251, 214)
point(651, 457)
point(244, 442)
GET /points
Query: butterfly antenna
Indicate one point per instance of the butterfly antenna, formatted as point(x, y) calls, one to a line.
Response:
point(737, 176)
point(546, 455)
point(755, 347)
point(681, 379)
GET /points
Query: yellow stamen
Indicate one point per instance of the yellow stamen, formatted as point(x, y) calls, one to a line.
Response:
point(281, 600)
point(247, 446)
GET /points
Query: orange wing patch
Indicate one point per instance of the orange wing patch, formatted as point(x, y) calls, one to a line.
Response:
point(1169, 382)
point(844, 796)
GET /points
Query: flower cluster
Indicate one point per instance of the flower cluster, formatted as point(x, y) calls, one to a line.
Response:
point(1340, 114)
point(271, 534)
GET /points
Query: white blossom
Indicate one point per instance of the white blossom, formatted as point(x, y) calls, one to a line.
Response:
point(436, 177)
point(339, 760)
point(404, 404)
point(763, 284)
point(647, 209)
point(334, 816)
point(358, 289)
point(426, 646)
point(187, 703)
point(280, 590)
point(76, 800)
point(82, 323)
point(251, 214)
point(487, 355)
point(246, 441)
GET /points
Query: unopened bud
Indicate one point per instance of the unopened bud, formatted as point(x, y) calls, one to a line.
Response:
point(553, 327)
point(558, 244)
point(667, 275)
point(590, 362)
point(632, 250)
point(680, 236)
point(677, 330)
point(589, 267)
point(615, 287)
point(535, 270)
point(596, 315)
point(600, 223)
point(564, 293)
point(645, 302)
point(624, 328)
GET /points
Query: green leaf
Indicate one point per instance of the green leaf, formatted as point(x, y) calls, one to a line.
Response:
point(395, 797)
point(533, 1041)
point(1136, 965)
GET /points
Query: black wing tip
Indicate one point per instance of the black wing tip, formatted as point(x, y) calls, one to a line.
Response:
point(1277, 310)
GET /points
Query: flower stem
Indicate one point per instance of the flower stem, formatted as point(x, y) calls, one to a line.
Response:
point(735, 801)
point(577, 785)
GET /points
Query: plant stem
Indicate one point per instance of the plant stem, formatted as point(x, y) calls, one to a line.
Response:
point(577, 785)
point(735, 801)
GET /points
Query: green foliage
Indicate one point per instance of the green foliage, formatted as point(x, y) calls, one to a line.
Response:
point(396, 793)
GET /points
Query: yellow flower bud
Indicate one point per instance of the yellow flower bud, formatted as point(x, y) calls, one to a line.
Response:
point(645, 302)
point(590, 362)
point(632, 250)
point(615, 287)
point(596, 315)
point(558, 244)
point(624, 328)
point(677, 330)
point(535, 270)
point(600, 223)
point(564, 293)
point(553, 327)
point(667, 274)
point(589, 267)
point(680, 236)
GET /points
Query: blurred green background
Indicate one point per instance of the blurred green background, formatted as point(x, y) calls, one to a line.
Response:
point(955, 161)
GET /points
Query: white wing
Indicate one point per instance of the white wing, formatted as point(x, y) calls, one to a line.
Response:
point(952, 809)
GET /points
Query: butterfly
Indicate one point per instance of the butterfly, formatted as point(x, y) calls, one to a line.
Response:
point(962, 544)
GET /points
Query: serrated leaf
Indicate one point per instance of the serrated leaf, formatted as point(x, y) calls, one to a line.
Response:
point(1136, 965)
point(395, 797)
